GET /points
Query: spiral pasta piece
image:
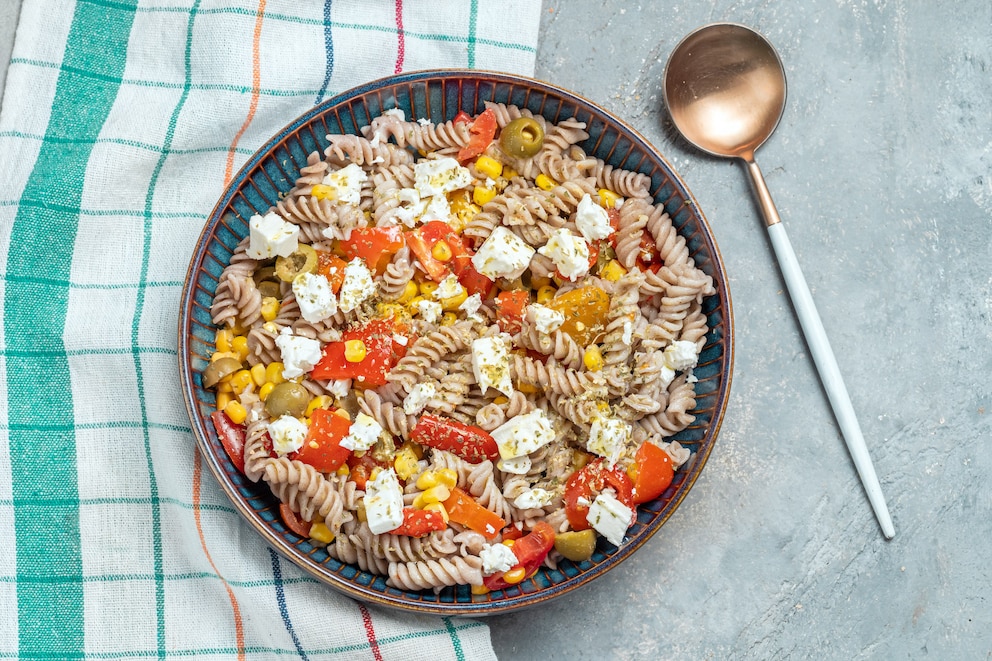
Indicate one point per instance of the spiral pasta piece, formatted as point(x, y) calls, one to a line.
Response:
point(431, 574)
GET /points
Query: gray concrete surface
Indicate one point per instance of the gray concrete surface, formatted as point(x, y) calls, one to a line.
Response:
point(882, 171)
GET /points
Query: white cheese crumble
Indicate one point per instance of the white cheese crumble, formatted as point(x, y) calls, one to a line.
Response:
point(609, 517)
point(502, 255)
point(533, 498)
point(592, 220)
point(346, 183)
point(440, 176)
point(362, 434)
point(497, 558)
point(608, 437)
point(271, 236)
point(569, 253)
point(314, 296)
point(681, 355)
point(491, 363)
point(420, 393)
point(430, 311)
point(358, 285)
point(438, 208)
point(471, 306)
point(516, 465)
point(340, 388)
point(383, 502)
point(287, 434)
point(544, 318)
point(628, 332)
point(448, 288)
point(299, 354)
point(523, 434)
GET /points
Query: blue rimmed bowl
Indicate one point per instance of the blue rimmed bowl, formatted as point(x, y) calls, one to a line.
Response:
point(439, 96)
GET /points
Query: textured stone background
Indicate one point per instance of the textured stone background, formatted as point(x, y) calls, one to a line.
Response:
point(882, 172)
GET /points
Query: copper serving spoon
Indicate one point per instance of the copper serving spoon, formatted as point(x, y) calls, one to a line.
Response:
point(725, 89)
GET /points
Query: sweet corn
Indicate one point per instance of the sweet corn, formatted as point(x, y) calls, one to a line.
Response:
point(344, 414)
point(344, 470)
point(323, 192)
point(319, 402)
point(613, 271)
point(489, 167)
point(428, 480)
point(239, 345)
point(441, 251)
point(321, 533)
point(538, 281)
point(527, 388)
point(607, 198)
point(480, 589)
point(509, 542)
point(224, 385)
point(273, 373)
point(545, 294)
point(447, 477)
point(544, 182)
point(634, 471)
point(427, 288)
point(452, 302)
point(417, 448)
point(235, 411)
point(515, 575)
point(509, 173)
point(409, 292)
point(579, 459)
point(449, 319)
point(354, 351)
point(270, 308)
point(413, 306)
point(258, 374)
point(405, 463)
point(437, 494)
point(482, 195)
point(222, 340)
point(438, 507)
point(502, 399)
point(394, 310)
point(375, 473)
point(217, 355)
point(223, 399)
point(593, 358)
point(263, 392)
point(241, 380)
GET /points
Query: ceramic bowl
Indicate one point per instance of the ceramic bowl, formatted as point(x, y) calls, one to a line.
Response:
point(438, 96)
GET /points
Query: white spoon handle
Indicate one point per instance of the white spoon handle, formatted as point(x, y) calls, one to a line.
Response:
point(826, 365)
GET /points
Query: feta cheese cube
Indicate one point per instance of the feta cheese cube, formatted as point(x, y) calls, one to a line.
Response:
point(523, 434)
point(544, 318)
point(439, 176)
point(383, 502)
point(497, 558)
point(516, 465)
point(502, 255)
point(299, 354)
point(681, 355)
point(608, 437)
point(314, 296)
point(287, 434)
point(437, 208)
point(340, 388)
point(471, 306)
point(430, 311)
point(420, 393)
point(609, 517)
point(592, 220)
point(448, 288)
point(533, 499)
point(346, 183)
point(491, 363)
point(362, 434)
point(271, 236)
point(569, 253)
point(358, 285)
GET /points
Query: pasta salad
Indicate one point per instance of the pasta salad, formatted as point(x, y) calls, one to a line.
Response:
point(457, 352)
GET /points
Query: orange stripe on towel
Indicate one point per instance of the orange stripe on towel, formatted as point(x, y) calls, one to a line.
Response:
point(256, 83)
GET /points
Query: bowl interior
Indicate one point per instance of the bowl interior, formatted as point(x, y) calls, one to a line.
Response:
point(438, 96)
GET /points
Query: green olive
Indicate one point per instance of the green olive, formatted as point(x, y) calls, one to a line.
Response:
point(218, 369)
point(522, 138)
point(576, 546)
point(287, 398)
point(264, 273)
point(269, 288)
point(304, 260)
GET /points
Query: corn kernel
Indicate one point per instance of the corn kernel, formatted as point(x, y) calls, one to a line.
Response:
point(323, 192)
point(613, 271)
point(538, 281)
point(239, 345)
point(405, 464)
point(545, 182)
point(235, 411)
point(222, 340)
point(579, 459)
point(319, 402)
point(509, 172)
point(480, 589)
point(413, 307)
point(608, 199)
point(545, 294)
point(417, 448)
point(527, 388)
point(388, 310)
point(427, 288)
point(438, 507)
point(452, 302)
point(502, 399)
point(265, 390)
point(428, 480)
point(447, 477)
point(270, 308)
point(321, 533)
point(344, 470)
point(354, 351)
point(223, 399)
point(418, 502)
point(241, 380)
point(217, 355)
point(360, 511)
point(375, 473)
point(509, 542)
point(258, 374)
point(515, 575)
point(482, 195)
point(634, 471)
point(449, 319)
point(489, 166)
point(224, 385)
point(344, 414)
point(593, 358)
point(273, 373)
point(409, 292)
point(441, 251)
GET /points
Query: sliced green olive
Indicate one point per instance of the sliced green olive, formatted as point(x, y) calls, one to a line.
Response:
point(218, 369)
point(269, 288)
point(263, 274)
point(287, 398)
point(576, 546)
point(522, 138)
point(304, 260)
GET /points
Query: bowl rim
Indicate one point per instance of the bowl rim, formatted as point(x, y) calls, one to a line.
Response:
point(288, 551)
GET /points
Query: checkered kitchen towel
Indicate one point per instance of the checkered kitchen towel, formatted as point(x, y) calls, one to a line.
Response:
point(120, 125)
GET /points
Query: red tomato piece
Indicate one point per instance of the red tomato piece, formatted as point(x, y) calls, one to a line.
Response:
point(361, 468)
point(331, 267)
point(531, 549)
point(421, 246)
point(293, 520)
point(587, 483)
point(510, 306)
point(375, 245)
point(232, 437)
point(483, 130)
point(464, 509)
point(462, 118)
point(512, 532)
point(417, 523)
point(382, 352)
point(476, 283)
point(472, 444)
point(322, 446)
point(654, 473)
